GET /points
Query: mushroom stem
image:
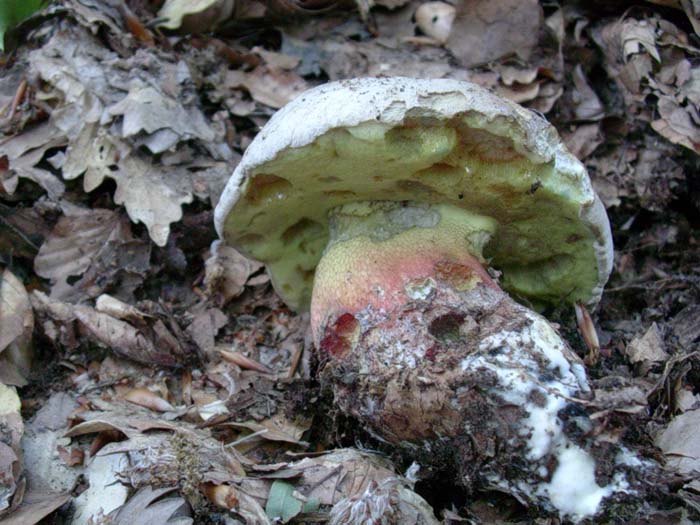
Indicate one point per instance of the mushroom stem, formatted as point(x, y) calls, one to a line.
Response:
point(420, 344)
point(383, 254)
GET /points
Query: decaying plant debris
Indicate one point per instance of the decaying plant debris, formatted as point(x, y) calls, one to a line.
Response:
point(169, 383)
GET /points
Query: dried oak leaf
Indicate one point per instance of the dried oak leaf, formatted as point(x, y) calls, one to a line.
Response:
point(96, 244)
point(110, 106)
point(24, 151)
point(675, 124)
point(485, 30)
point(152, 194)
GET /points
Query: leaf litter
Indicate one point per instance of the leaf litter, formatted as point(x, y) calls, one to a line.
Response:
point(169, 384)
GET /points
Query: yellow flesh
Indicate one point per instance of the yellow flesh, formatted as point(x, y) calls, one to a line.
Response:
point(540, 245)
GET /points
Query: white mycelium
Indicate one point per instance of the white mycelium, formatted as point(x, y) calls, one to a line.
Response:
point(516, 358)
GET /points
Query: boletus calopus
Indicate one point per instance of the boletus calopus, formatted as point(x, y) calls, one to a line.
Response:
point(409, 215)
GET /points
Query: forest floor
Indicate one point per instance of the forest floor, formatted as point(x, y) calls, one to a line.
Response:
point(149, 352)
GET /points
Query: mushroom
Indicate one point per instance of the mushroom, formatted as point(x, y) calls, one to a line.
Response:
point(403, 213)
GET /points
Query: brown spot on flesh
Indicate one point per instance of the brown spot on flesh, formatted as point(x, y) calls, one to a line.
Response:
point(265, 186)
point(301, 227)
point(457, 275)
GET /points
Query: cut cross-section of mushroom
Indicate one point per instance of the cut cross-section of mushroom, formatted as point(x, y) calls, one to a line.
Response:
point(381, 205)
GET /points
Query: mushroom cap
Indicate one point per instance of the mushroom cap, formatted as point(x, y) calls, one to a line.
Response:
point(430, 141)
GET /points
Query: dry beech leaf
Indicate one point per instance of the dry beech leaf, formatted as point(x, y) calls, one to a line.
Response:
point(484, 30)
point(205, 325)
point(346, 477)
point(147, 399)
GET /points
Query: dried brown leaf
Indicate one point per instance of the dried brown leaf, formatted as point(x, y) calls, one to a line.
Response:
point(583, 140)
point(88, 239)
point(35, 507)
point(16, 326)
point(676, 124)
point(227, 272)
point(147, 399)
point(151, 343)
point(71, 457)
point(205, 325)
point(277, 428)
point(587, 104)
point(647, 350)
point(486, 30)
point(24, 151)
point(148, 507)
point(244, 362)
point(680, 441)
point(588, 332)
point(12, 481)
point(638, 36)
point(269, 86)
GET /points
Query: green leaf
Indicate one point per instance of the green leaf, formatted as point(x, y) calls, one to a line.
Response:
point(12, 12)
point(283, 506)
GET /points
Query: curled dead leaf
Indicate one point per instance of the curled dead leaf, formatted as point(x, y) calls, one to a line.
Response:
point(244, 362)
point(588, 332)
point(147, 399)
